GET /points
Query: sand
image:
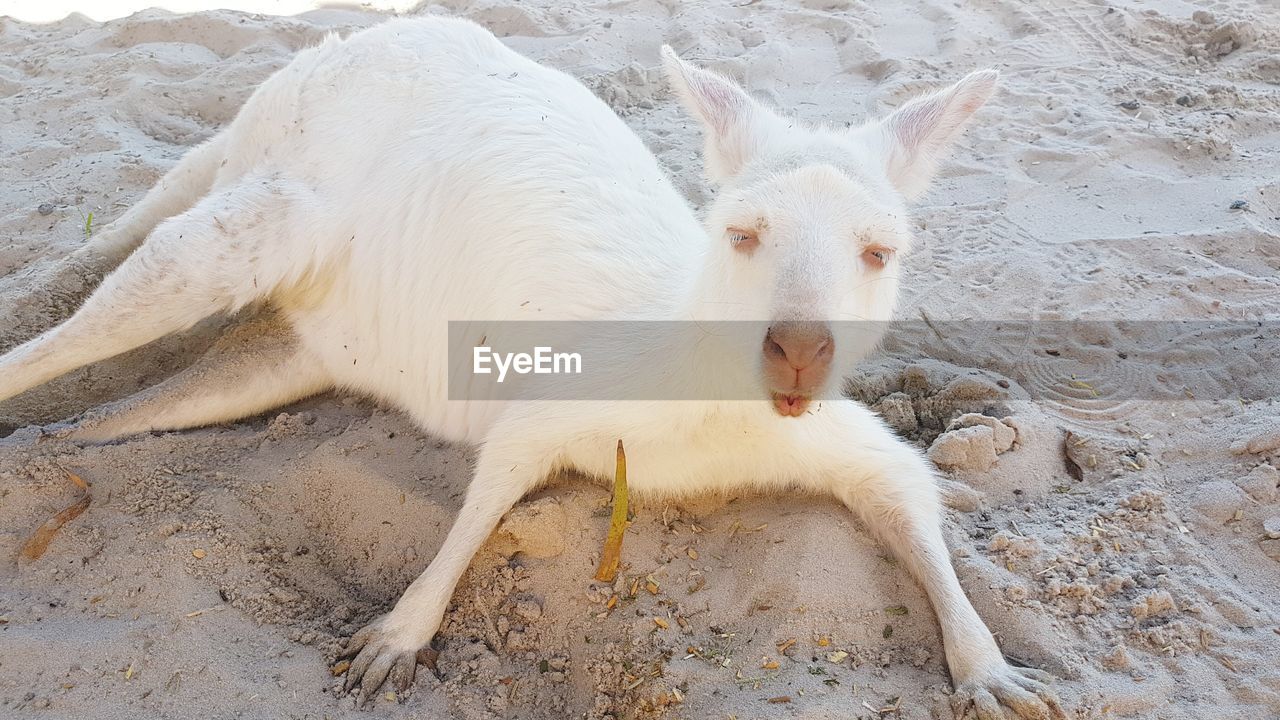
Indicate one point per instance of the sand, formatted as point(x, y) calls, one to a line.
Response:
point(1126, 170)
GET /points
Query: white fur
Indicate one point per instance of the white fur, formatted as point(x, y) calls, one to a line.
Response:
point(421, 172)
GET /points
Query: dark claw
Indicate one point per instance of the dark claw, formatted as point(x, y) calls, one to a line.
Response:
point(403, 671)
point(358, 668)
point(357, 641)
point(376, 674)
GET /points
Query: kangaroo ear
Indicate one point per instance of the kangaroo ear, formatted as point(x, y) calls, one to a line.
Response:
point(917, 136)
point(737, 128)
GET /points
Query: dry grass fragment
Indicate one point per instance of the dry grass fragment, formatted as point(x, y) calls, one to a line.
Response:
point(38, 543)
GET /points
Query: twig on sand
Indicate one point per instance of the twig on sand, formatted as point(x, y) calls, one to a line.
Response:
point(40, 539)
point(925, 316)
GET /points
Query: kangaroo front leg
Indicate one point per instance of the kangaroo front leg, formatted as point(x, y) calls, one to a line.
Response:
point(893, 490)
point(389, 645)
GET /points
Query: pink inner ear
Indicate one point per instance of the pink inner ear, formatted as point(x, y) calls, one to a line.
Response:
point(914, 125)
point(719, 102)
point(934, 119)
point(971, 104)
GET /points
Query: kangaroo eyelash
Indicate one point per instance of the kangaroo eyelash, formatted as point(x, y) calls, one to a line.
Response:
point(877, 256)
point(743, 240)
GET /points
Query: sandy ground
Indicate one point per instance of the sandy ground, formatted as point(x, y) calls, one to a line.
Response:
point(216, 572)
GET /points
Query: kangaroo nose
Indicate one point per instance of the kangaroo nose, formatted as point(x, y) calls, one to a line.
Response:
point(801, 345)
point(797, 361)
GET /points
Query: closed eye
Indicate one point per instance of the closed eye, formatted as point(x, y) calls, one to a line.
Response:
point(742, 240)
point(875, 257)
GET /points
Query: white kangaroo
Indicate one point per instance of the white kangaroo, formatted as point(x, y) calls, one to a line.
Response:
point(420, 172)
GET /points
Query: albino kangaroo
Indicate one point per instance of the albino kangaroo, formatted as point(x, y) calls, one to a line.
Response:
point(421, 172)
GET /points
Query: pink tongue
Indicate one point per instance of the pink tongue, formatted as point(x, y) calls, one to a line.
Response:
point(788, 405)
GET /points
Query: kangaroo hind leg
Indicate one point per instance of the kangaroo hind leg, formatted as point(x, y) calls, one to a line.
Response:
point(235, 246)
point(32, 300)
point(257, 365)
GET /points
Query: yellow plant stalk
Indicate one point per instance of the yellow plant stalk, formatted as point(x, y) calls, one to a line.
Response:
point(612, 554)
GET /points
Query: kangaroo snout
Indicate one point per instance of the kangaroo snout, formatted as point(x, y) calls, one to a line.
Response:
point(797, 361)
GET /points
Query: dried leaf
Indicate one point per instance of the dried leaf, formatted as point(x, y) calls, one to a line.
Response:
point(661, 622)
point(897, 610)
point(198, 554)
point(1070, 442)
point(612, 553)
point(38, 543)
point(77, 480)
point(781, 699)
point(340, 668)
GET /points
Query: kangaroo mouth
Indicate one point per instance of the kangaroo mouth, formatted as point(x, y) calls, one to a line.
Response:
point(790, 404)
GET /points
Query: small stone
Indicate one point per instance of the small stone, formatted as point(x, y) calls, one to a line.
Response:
point(898, 412)
point(1185, 100)
point(959, 496)
point(286, 596)
point(536, 529)
point(1261, 483)
point(1129, 104)
point(971, 448)
point(1003, 435)
point(1153, 605)
point(517, 640)
point(198, 554)
point(1271, 527)
point(1204, 17)
point(1117, 659)
point(528, 610)
point(1263, 442)
point(1271, 548)
point(1239, 205)
point(1218, 500)
point(45, 209)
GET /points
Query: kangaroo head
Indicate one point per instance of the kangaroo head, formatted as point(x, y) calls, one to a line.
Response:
point(809, 224)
